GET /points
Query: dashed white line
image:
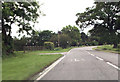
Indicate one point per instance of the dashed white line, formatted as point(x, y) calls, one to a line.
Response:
point(76, 60)
point(99, 58)
point(88, 52)
point(113, 65)
point(106, 62)
point(92, 54)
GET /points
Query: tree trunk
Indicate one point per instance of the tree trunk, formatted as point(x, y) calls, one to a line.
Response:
point(115, 45)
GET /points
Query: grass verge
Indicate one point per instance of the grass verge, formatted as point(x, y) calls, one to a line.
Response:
point(57, 50)
point(23, 65)
point(108, 48)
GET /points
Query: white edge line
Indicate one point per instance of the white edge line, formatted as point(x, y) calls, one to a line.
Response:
point(113, 65)
point(69, 51)
point(42, 74)
point(75, 60)
point(99, 58)
point(88, 52)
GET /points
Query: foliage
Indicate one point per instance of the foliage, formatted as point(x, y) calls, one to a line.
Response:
point(104, 16)
point(38, 38)
point(19, 44)
point(6, 49)
point(58, 48)
point(64, 40)
point(54, 39)
point(94, 43)
point(118, 46)
point(74, 33)
point(21, 14)
point(49, 45)
point(84, 37)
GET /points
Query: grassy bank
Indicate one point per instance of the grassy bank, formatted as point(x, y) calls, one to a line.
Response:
point(56, 50)
point(23, 65)
point(108, 48)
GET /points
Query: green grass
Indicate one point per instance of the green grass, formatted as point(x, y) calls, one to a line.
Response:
point(108, 48)
point(23, 65)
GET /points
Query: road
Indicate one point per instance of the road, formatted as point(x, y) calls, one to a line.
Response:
point(85, 64)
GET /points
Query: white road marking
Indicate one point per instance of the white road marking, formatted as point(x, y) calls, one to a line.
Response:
point(99, 58)
point(42, 74)
point(113, 65)
point(88, 52)
point(76, 60)
point(106, 62)
point(92, 54)
point(69, 51)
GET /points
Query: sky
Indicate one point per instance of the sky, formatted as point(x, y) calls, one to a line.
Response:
point(59, 13)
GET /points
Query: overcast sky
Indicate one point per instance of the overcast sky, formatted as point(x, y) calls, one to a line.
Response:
point(59, 13)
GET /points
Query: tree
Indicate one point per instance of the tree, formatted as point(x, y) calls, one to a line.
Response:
point(54, 39)
point(74, 33)
point(103, 15)
point(38, 38)
point(20, 43)
point(20, 13)
point(100, 34)
point(84, 37)
point(64, 40)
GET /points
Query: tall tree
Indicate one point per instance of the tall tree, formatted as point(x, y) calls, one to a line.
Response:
point(104, 15)
point(74, 33)
point(84, 37)
point(64, 40)
point(21, 13)
point(54, 39)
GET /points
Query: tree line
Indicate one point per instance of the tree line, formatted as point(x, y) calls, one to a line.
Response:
point(68, 36)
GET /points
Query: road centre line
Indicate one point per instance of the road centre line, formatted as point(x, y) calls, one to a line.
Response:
point(76, 60)
point(92, 54)
point(99, 58)
point(88, 52)
point(106, 62)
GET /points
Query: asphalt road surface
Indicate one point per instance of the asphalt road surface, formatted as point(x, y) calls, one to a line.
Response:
point(85, 64)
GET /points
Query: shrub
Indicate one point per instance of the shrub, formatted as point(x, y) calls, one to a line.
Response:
point(119, 46)
point(74, 43)
point(54, 39)
point(104, 48)
point(49, 45)
point(58, 48)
